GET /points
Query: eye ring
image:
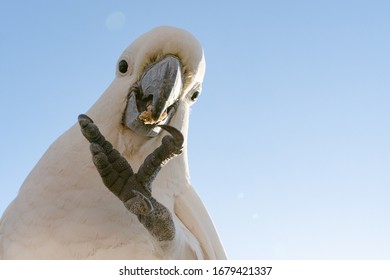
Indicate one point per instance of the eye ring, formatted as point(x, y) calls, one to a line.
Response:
point(195, 95)
point(123, 66)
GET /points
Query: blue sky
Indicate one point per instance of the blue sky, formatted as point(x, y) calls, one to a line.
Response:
point(289, 141)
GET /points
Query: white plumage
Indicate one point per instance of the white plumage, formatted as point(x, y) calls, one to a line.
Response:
point(63, 210)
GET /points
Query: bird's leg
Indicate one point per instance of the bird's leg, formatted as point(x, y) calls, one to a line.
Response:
point(134, 190)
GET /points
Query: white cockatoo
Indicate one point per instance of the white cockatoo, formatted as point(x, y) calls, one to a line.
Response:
point(121, 202)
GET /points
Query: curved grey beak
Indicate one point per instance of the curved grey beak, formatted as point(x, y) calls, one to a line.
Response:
point(154, 103)
point(163, 82)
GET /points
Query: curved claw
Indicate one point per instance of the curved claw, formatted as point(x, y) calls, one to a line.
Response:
point(139, 204)
point(84, 120)
point(90, 130)
point(176, 134)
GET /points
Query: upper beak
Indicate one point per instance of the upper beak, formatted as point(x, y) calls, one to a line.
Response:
point(159, 89)
point(163, 82)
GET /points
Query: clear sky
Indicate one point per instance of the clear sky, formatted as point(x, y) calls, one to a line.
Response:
point(289, 143)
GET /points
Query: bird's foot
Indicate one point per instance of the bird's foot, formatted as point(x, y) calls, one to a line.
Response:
point(134, 189)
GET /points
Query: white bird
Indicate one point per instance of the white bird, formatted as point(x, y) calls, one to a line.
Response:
point(63, 209)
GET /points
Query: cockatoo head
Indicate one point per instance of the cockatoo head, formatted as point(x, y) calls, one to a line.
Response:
point(162, 70)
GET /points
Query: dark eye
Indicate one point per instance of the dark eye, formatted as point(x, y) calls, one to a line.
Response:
point(195, 95)
point(122, 66)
